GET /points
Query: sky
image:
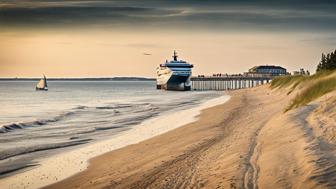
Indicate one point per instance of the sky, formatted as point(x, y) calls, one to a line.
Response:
point(62, 38)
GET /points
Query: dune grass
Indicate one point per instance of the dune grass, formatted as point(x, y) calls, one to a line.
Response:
point(315, 86)
point(288, 80)
point(285, 81)
point(313, 92)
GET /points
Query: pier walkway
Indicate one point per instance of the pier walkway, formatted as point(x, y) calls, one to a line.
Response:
point(229, 82)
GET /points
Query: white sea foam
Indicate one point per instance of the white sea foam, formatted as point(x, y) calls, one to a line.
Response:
point(64, 165)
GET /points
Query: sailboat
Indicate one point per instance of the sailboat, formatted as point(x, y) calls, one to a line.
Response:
point(42, 84)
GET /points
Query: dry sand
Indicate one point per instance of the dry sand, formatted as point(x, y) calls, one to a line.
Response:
point(248, 142)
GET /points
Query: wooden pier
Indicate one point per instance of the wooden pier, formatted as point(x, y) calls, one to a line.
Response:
point(228, 82)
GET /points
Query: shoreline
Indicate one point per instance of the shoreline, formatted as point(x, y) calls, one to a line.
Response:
point(247, 142)
point(216, 151)
point(67, 164)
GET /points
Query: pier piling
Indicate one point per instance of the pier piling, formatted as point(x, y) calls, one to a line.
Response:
point(229, 82)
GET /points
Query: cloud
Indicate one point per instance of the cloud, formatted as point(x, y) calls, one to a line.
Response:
point(69, 15)
point(325, 41)
point(213, 14)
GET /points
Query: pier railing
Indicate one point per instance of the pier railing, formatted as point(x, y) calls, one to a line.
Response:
point(229, 82)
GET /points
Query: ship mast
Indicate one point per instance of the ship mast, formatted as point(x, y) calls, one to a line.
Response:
point(175, 56)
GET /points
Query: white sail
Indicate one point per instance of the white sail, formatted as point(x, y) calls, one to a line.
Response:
point(41, 84)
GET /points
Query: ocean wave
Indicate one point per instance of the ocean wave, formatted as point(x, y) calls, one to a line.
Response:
point(114, 106)
point(25, 150)
point(10, 169)
point(15, 126)
point(107, 128)
point(117, 109)
point(81, 107)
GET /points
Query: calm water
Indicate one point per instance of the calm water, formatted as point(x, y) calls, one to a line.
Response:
point(35, 124)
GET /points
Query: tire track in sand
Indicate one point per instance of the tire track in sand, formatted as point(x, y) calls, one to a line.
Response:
point(252, 170)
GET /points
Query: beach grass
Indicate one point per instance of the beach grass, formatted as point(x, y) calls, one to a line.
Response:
point(288, 80)
point(314, 86)
point(285, 81)
point(312, 92)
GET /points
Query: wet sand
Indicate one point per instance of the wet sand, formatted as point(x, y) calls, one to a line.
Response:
point(248, 142)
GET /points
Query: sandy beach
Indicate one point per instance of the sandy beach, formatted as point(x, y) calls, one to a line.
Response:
point(248, 142)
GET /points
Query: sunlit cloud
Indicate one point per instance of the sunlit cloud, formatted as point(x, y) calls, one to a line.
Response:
point(219, 15)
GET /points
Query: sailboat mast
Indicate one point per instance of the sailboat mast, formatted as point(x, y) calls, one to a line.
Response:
point(45, 81)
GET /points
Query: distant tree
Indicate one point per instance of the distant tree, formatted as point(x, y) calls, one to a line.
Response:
point(322, 63)
point(333, 61)
point(328, 62)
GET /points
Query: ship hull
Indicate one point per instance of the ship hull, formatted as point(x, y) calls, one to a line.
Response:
point(176, 83)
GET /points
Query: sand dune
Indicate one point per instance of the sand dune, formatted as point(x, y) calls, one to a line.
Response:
point(297, 149)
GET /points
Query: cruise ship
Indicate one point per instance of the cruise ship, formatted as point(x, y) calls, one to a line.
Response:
point(174, 75)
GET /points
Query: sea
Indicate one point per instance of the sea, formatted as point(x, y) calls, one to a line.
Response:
point(39, 124)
